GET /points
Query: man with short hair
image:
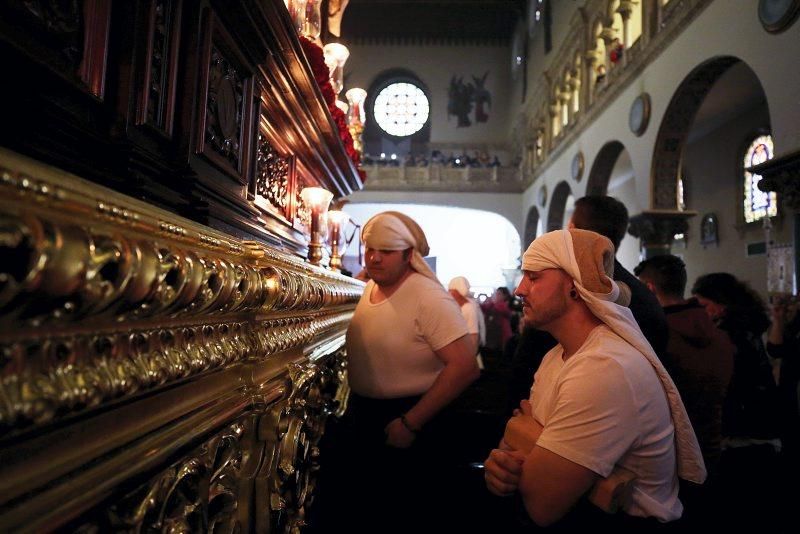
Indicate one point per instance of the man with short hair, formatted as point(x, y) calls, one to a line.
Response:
point(609, 217)
point(459, 288)
point(701, 354)
point(600, 399)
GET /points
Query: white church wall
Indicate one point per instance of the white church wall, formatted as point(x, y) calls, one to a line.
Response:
point(725, 28)
point(435, 65)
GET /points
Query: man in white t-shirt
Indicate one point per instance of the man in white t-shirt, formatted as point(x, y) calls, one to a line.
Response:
point(471, 311)
point(600, 398)
point(409, 356)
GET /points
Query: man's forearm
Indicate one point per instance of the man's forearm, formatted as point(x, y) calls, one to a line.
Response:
point(453, 379)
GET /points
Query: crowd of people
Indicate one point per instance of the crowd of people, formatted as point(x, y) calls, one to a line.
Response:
point(478, 160)
point(613, 374)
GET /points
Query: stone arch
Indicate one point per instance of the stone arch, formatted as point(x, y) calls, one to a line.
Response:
point(603, 165)
point(558, 203)
point(676, 125)
point(531, 227)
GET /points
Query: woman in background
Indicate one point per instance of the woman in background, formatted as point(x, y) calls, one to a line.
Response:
point(751, 427)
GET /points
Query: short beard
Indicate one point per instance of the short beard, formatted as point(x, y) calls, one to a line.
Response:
point(553, 311)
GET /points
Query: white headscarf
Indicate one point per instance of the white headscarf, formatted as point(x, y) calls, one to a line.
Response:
point(461, 285)
point(588, 258)
point(392, 230)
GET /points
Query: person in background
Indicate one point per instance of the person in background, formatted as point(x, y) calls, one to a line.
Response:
point(609, 217)
point(783, 343)
point(497, 311)
point(702, 366)
point(459, 288)
point(751, 413)
point(601, 398)
point(701, 354)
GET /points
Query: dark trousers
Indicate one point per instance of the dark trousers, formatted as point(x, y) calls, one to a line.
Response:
point(365, 485)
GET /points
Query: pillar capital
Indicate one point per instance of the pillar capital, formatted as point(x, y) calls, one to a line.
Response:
point(782, 175)
point(656, 229)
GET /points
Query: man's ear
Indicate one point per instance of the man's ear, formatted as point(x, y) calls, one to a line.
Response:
point(651, 286)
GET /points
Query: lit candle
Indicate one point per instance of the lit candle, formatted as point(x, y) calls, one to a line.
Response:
point(316, 199)
point(337, 220)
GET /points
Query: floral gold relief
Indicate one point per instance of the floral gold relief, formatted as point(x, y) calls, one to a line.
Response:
point(102, 297)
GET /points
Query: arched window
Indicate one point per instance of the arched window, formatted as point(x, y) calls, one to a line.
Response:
point(757, 203)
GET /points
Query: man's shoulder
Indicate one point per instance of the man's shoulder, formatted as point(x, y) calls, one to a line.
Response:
point(421, 282)
point(606, 345)
point(427, 292)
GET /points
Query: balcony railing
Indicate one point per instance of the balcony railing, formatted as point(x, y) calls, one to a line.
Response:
point(443, 178)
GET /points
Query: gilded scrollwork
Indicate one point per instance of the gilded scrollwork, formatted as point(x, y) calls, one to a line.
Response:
point(104, 297)
point(200, 493)
point(293, 429)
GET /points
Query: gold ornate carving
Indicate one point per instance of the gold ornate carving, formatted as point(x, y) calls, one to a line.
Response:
point(100, 299)
point(199, 493)
point(293, 428)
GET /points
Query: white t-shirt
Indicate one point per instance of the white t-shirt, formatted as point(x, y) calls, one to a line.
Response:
point(605, 406)
point(473, 315)
point(391, 344)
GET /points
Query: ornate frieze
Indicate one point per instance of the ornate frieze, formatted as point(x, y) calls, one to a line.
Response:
point(102, 297)
point(200, 493)
point(224, 107)
point(273, 175)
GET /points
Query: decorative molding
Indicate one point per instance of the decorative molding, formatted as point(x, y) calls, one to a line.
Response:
point(619, 78)
point(156, 106)
point(274, 177)
point(167, 298)
point(200, 493)
point(226, 109)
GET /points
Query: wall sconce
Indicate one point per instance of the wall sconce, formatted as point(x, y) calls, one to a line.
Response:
point(336, 55)
point(316, 200)
point(356, 117)
point(337, 220)
point(343, 106)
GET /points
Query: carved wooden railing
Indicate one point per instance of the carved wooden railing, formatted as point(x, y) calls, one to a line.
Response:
point(156, 374)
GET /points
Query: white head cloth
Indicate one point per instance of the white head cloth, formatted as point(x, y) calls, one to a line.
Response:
point(460, 284)
point(585, 264)
point(392, 230)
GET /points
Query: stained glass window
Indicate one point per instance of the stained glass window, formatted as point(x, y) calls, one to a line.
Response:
point(758, 203)
point(401, 109)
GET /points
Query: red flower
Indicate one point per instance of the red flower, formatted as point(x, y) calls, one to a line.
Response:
point(316, 59)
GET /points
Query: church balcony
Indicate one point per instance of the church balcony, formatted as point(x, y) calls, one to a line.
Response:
point(442, 178)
